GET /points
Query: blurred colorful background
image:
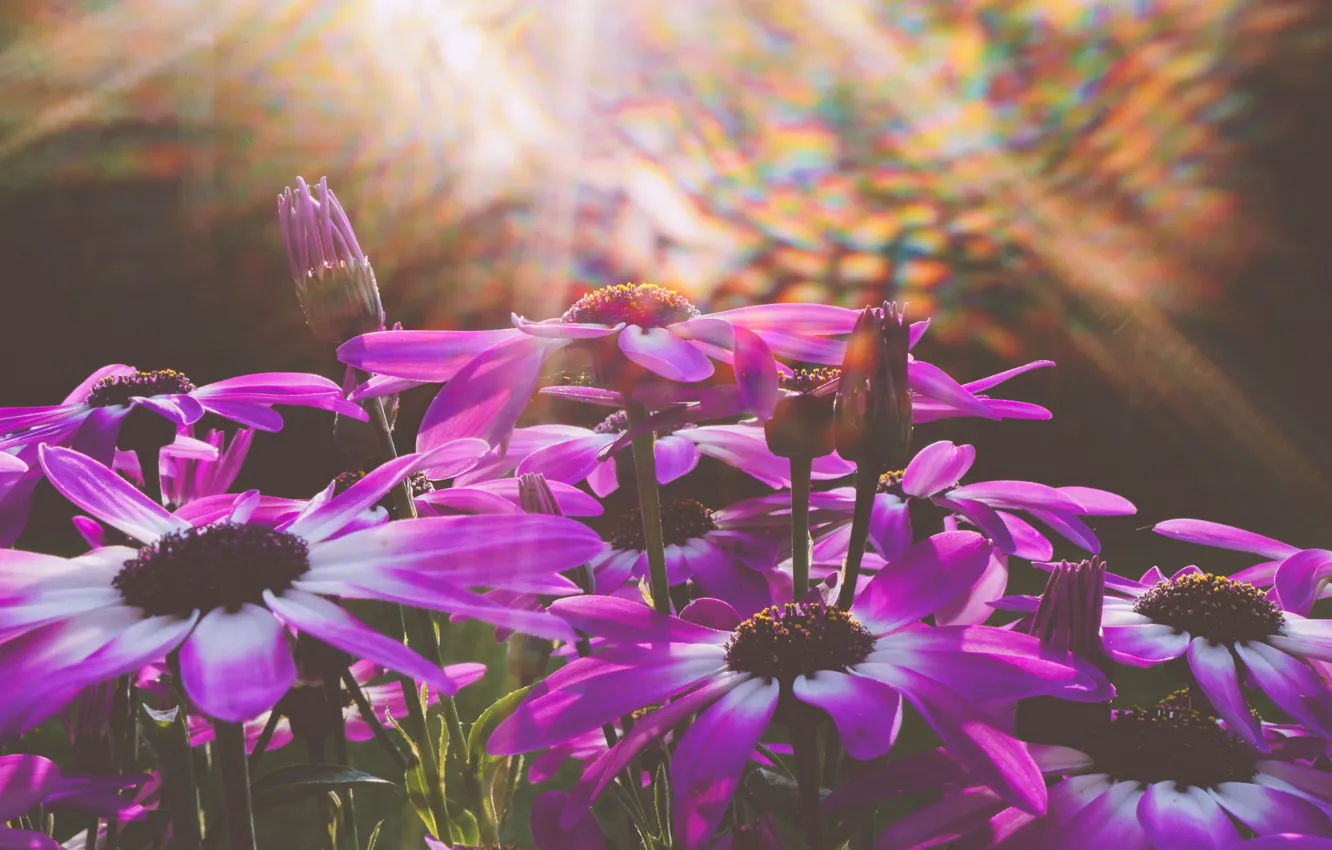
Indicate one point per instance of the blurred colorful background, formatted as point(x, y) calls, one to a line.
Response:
point(1136, 189)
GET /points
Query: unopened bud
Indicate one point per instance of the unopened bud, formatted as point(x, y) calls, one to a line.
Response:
point(872, 411)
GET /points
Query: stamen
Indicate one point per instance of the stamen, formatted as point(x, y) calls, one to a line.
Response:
point(795, 639)
point(682, 520)
point(1163, 743)
point(118, 389)
point(215, 566)
point(643, 304)
point(1214, 607)
point(806, 380)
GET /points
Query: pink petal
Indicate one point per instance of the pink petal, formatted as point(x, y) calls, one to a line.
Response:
point(25, 781)
point(180, 410)
point(675, 456)
point(663, 353)
point(815, 319)
point(557, 329)
point(1299, 580)
point(258, 416)
point(1224, 537)
point(107, 496)
point(1144, 645)
point(1099, 502)
point(237, 664)
point(922, 579)
point(937, 466)
point(1214, 668)
point(932, 382)
point(755, 373)
point(867, 712)
point(419, 355)
point(569, 461)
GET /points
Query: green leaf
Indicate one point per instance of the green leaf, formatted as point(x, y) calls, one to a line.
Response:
point(464, 828)
point(661, 799)
point(416, 781)
point(299, 781)
point(486, 723)
point(374, 836)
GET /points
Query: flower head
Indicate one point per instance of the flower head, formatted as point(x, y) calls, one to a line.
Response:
point(225, 593)
point(873, 406)
point(735, 674)
point(334, 281)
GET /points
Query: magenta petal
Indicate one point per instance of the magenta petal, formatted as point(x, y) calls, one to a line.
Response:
point(1144, 645)
point(1270, 810)
point(936, 467)
point(24, 782)
point(932, 382)
point(259, 416)
point(178, 409)
point(1183, 817)
point(996, 758)
point(986, 518)
point(1112, 817)
point(743, 448)
point(815, 319)
point(1300, 578)
point(712, 613)
point(569, 461)
point(1214, 668)
point(1099, 502)
point(975, 607)
point(237, 664)
point(571, 500)
point(419, 355)
point(711, 757)
point(107, 496)
point(1018, 495)
point(487, 395)
point(956, 813)
point(621, 620)
point(1223, 537)
point(549, 834)
point(867, 712)
point(1028, 543)
point(922, 579)
point(662, 352)
point(556, 329)
point(983, 384)
point(1070, 527)
point(1290, 683)
point(333, 625)
point(10, 466)
point(675, 456)
point(890, 526)
point(755, 373)
point(468, 500)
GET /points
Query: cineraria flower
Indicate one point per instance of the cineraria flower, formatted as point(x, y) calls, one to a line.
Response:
point(492, 375)
point(221, 593)
point(857, 666)
point(1230, 632)
point(722, 556)
point(677, 452)
point(27, 781)
point(1151, 779)
point(90, 417)
point(935, 474)
point(334, 281)
point(1299, 576)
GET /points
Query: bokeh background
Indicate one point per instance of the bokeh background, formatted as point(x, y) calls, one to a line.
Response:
point(1136, 189)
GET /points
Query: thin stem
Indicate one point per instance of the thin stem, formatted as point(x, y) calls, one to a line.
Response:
point(649, 503)
point(230, 745)
point(372, 719)
point(801, 468)
point(179, 784)
point(403, 506)
point(265, 736)
point(804, 740)
point(867, 484)
point(333, 693)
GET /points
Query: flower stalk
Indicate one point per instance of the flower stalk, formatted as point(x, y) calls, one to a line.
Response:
point(234, 765)
point(649, 501)
point(801, 469)
point(805, 743)
point(372, 720)
point(867, 483)
point(179, 783)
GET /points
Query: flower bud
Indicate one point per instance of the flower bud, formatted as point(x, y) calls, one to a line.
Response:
point(872, 410)
point(802, 423)
point(334, 281)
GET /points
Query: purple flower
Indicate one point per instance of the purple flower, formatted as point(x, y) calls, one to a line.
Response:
point(225, 593)
point(192, 469)
point(1230, 632)
point(90, 417)
point(723, 557)
point(677, 452)
point(1152, 779)
point(1299, 576)
point(334, 281)
point(27, 781)
point(633, 330)
point(856, 666)
point(935, 474)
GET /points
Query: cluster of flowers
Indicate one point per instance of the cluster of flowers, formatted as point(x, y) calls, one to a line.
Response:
point(726, 676)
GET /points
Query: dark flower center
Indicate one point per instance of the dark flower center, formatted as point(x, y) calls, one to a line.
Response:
point(119, 389)
point(1213, 607)
point(418, 481)
point(644, 304)
point(796, 639)
point(891, 481)
point(806, 380)
point(682, 520)
point(618, 423)
point(214, 566)
point(1164, 743)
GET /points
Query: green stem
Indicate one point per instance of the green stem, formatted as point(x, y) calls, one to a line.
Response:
point(403, 506)
point(649, 503)
point(804, 740)
point(867, 484)
point(801, 469)
point(230, 745)
point(333, 693)
point(376, 727)
point(179, 784)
